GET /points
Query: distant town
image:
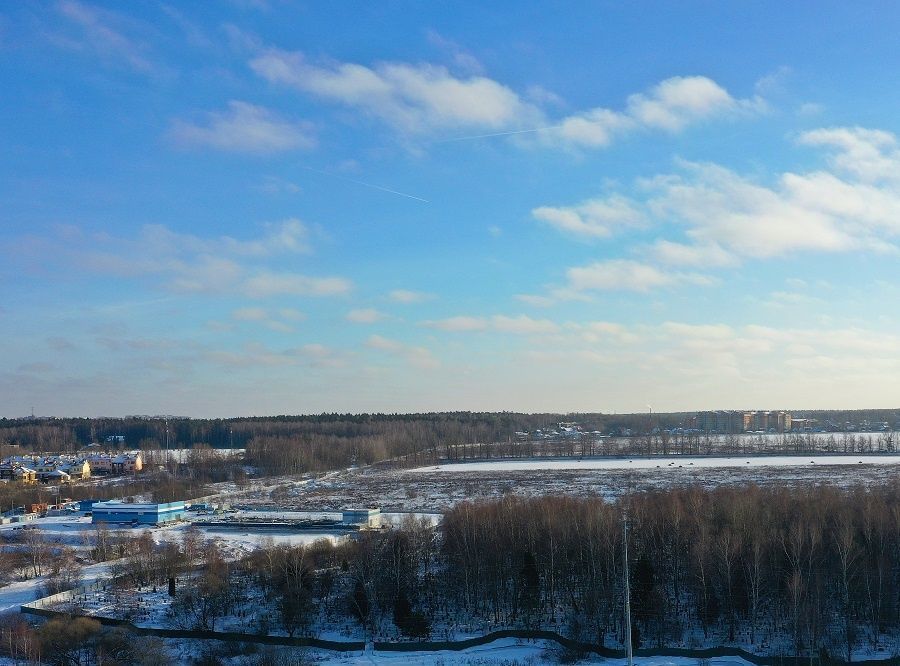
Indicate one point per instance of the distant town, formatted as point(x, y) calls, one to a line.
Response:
point(719, 422)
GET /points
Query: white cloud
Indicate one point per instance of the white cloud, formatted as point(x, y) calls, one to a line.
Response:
point(383, 344)
point(701, 331)
point(202, 274)
point(365, 316)
point(599, 331)
point(409, 297)
point(727, 217)
point(627, 275)
point(418, 357)
point(780, 299)
point(269, 320)
point(250, 314)
point(456, 324)
point(596, 128)
point(256, 355)
point(244, 128)
point(288, 236)
point(102, 33)
point(808, 109)
point(191, 264)
point(870, 155)
point(676, 102)
point(520, 325)
point(461, 58)
point(412, 98)
point(523, 325)
point(700, 256)
point(425, 97)
point(291, 314)
point(596, 218)
point(268, 283)
point(720, 364)
point(279, 326)
point(274, 185)
point(670, 106)
point(816, 211)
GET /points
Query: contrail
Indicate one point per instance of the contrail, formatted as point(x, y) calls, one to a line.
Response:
point(487, 136)
point(365, 184)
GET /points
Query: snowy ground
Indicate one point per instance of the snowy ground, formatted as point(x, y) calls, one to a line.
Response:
point(657, 463)
point(434, 489)
point(12, 596)
point(78, 532)
point(510, 652)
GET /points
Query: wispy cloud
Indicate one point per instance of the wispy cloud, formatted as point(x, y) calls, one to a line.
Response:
point(250, 314)
point(365, 316)
point(188, 263)
point(462, 59)
point(416, 356)
point(244, 128)
point(256, 355)
point(409, 296)
point(267, 283)
point(275, 185)
point(519, 325)
point(102, 32)
point(627, 275)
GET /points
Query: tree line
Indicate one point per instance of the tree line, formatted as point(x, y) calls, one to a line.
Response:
point(296, 444)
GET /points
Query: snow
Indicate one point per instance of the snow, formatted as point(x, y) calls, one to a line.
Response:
point(672, 461)
point(505, 651)
point(12, 596)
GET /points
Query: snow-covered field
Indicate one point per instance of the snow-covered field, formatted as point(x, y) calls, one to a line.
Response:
point(434, 489)
point(668, 462)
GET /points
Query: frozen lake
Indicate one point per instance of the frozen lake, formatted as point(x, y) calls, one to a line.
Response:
point(674, 462)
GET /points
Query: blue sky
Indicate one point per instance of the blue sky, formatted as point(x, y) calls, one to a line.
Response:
point(265, 207)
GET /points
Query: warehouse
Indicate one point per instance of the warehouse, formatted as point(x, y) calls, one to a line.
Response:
point(137, 514)
point(366, 518)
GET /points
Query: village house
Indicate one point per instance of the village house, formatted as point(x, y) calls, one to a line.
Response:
point(64, 468)
point(17, 472)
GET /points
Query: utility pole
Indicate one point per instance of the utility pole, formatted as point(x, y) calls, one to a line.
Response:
point(628, 650)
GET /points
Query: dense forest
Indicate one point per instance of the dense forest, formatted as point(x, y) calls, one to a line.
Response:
point(393, 432)
point(790, 571)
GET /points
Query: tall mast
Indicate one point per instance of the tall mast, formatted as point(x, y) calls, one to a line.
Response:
point(628, 650)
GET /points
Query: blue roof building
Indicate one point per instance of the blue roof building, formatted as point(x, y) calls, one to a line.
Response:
point(136, 514)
